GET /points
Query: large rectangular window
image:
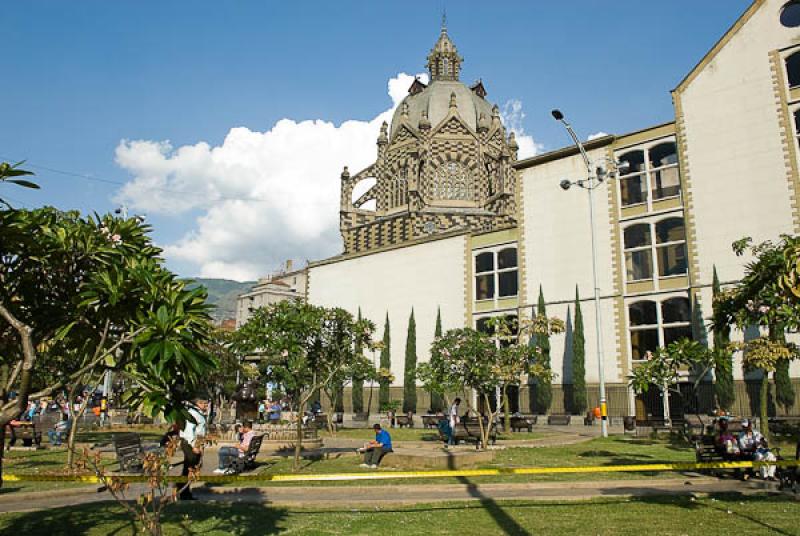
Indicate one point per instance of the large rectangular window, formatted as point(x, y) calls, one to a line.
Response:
point(651, 174)
point(653, 324)
point(496, 274)
point(667, 253)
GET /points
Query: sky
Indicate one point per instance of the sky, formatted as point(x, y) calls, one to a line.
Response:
point(227, 124)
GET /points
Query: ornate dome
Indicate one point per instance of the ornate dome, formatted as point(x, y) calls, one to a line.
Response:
point(444, 66)
point(435, 100)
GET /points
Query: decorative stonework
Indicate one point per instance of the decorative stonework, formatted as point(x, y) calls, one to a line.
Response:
point(444, 165)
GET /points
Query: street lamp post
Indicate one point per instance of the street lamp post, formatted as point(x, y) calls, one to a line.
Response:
point(594, 178)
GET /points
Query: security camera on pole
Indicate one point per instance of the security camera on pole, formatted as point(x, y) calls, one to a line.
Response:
point(594, 178)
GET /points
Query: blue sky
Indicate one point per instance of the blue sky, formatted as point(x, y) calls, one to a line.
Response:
point(82, 76)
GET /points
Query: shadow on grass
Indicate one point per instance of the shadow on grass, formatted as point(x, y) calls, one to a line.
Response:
point(748, 522)
point(111, 519)
point(506, 523)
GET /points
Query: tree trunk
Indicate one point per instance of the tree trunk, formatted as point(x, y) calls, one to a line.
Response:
point(665, 400)
point(369, 399)
point(763, 406)
point(73, 430)
point(507, 413)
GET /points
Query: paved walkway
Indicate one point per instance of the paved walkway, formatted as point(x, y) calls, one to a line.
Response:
point(351, 496)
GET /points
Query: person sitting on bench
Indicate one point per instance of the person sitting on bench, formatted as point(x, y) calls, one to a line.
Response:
point(377, 448)
point(727, 444)
point(228, 454)
point(754, 446)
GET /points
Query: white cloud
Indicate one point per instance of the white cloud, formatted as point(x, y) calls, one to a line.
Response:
point(263, 196)
point(513, 117)
point(596, 135)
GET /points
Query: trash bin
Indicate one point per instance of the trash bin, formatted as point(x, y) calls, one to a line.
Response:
point(629, 423)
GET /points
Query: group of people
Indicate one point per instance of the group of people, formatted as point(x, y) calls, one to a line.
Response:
point(271, 410)
point(749, 444)
point(58, 406)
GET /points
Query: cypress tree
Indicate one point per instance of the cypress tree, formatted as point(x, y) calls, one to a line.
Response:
point(579, 402)
point(410, 373)
point(437, 404)
point(358, 386)
point(385, 363)
point(784, 392)
point(723, 368)
point(544, 388)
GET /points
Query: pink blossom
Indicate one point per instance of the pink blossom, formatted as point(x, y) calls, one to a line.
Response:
point(763, 309)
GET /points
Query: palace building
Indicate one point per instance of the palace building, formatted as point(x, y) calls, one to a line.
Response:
point(450, 221)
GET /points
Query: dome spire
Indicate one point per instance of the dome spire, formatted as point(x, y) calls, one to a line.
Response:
point(444, 63)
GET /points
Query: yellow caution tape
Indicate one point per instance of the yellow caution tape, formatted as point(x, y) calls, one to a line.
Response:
point(389, 475)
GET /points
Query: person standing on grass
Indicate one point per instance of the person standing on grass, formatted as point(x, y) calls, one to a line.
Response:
point(375, 450)
point(454, 420)
point(191, 435)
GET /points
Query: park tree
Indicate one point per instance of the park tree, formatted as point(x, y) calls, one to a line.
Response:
point(579, 402)
point(385, 364)
point(515, 357)
point(304, 348)
point(10, 174)
point(766, 297)
point(664, 366)
point(437, 402)
point(410, 371)
point(91, 294)
point(357, 387)
point(723, 366)
point(544, 386)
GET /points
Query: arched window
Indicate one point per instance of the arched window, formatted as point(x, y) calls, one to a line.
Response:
point(398, 189)
point(452, 182)
point(633, 185)
point(638, 252)
point(671, 247)
point(496, 274)
point(643, 320)
point(653, 325)
point(793, 69)
point(790, 14)
point(664, 176)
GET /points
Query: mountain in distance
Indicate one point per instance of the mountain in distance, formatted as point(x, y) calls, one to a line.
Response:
point(222, 293)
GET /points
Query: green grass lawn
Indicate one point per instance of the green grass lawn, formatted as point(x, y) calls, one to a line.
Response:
point(615, 450)
point(708, 516)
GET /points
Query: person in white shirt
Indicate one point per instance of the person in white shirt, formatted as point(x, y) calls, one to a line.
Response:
point(454, 420)
point(191, 434)
point(752, 443)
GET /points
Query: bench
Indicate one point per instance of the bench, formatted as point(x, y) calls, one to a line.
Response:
point(29, 432)
point(360, 416)
point(404, 420)
point(119, 417)
point(784, 425)
point(518, 423)
point(470, 430)
point(559, 420)
point(321, 420)
point(431, 421)
point(248, 461)
point(130, 454)
point(694, 427)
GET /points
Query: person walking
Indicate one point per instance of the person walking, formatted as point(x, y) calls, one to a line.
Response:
point(193, 431)
point(454, 420)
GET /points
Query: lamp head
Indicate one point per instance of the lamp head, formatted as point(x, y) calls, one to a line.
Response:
point(565, 184)
point(557, 115)
point(623, 166)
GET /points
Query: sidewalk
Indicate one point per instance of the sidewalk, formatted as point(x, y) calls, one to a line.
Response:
point(333, 496)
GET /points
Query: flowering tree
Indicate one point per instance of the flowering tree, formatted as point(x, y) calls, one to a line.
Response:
point(663, 368)
point(304, 348)
point(768, 297)
point(79, 296)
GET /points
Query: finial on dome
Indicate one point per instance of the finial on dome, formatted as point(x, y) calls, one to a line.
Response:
point(512, 142)
point(453, 103)
point(444, 20)
point(424, 122)
point(383, 138)
point(444, 63)
point(345, 173)
point(483, 123)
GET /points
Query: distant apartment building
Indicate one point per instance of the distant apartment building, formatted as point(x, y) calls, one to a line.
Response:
point(285, 284)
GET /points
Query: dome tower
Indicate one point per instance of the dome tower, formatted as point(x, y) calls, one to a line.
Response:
point(443, 165)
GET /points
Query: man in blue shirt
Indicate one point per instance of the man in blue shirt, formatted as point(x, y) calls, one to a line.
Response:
point(377, 448)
